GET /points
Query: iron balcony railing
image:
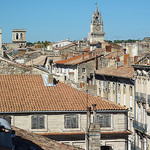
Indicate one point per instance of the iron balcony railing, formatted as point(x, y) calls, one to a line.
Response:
point(140, 126)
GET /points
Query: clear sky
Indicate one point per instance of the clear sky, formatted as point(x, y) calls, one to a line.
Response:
point(55, 20)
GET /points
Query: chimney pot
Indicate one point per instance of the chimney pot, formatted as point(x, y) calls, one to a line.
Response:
point(50, 78)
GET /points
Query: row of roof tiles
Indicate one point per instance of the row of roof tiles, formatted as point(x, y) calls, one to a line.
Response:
point(26, 93)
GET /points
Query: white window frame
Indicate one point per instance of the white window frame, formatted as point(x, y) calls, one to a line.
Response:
point(45, 123)
point(73, 129)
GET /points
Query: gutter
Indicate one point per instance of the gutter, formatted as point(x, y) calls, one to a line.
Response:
point(76, 111)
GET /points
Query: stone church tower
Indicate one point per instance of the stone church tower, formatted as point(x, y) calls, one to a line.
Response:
point(19, 36)
point(96, 33)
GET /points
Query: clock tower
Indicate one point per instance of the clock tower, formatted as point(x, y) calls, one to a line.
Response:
point(96, 28)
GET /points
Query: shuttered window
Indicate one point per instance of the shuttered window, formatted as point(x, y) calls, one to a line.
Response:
point(104, 120)
point(37, 122)
point(71, 121)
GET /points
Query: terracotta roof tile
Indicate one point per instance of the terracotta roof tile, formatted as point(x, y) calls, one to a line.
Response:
point(86, 49)
point(23, 93)
point(76, 59)
point(65, 47)
point(26, 140)
point(122, 71)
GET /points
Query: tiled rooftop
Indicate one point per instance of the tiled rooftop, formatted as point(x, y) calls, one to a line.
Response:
point(65, 47)
point(37, 61)
point(115, 54)
point(26, 93)
point(87, 49)
point(25, 140)
point(121, 71)
point(76, 59)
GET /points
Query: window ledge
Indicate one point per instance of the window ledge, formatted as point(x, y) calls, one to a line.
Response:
point(71, 129)
point(38, 130)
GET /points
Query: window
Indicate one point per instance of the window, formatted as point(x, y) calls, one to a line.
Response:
point(17, 36)
point(71, 121)
point(37, 122)
point(104, 120)
point(114, 87)
point(83, 69)
point(124, 93)
point(21, 36)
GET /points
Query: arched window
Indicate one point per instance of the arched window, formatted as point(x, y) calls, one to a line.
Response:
point(21, 36)
point(17, 36)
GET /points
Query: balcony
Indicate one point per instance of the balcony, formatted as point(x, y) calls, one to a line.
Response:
point(140, 97)
point(140, 126)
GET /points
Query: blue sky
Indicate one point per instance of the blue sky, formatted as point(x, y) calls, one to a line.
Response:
point(55, 20)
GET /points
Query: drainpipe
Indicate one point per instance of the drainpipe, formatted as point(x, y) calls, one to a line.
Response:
point(116, 91)
point(94, 113)
point(87, 128)
point(134, 110)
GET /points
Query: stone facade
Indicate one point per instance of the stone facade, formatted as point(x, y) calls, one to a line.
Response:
point(55, 123)
point(78, 75)
point(19, 36)
point(120, 91)
point(0, 41)
point(96, 33)
point(142, 107)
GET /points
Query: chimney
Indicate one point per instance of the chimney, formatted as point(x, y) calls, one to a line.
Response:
point(94, 113)
point(50, 78)
point(125, 58)
point(135, 59)
point(87, 127)
point(82, 56)
point(90, 54)
point(94, 135)
point(128, 62)
point(108, 48)
point(96, 62)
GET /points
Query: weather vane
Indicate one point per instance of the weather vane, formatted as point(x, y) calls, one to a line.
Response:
point(96, 3)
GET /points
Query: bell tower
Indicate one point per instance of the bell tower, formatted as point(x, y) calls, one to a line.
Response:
point(19, 36)
point(96, 27)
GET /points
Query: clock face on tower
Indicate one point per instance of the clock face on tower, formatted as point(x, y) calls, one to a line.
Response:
point(97, 28)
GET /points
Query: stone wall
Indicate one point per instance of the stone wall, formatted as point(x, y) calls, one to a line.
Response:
point(10, 68)
point(54, 123)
